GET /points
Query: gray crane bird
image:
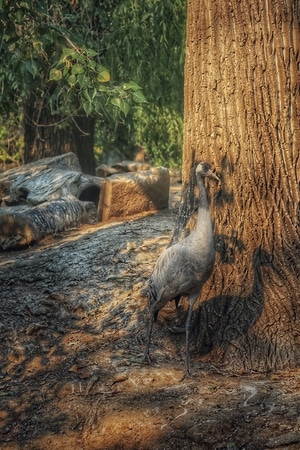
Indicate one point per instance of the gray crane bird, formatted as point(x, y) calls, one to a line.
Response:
point(183, 268)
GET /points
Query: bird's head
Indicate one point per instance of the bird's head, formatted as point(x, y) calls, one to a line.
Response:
point(203, 169)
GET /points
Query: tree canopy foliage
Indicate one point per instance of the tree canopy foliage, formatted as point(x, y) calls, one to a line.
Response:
point(101, 57)
point(145, 40)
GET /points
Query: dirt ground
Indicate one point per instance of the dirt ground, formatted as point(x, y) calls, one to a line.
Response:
point(73, 321)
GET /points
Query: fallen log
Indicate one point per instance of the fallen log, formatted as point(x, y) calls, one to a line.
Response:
point(47, 179)
point(22, 227)
point(44, 197)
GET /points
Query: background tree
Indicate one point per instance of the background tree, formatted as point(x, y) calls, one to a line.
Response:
point(52, 69)
point(242, 115)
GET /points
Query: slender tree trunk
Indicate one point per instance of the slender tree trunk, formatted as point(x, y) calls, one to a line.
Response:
point(42, 134)
point(47, 135)
point(242, 116)
point(82, 134)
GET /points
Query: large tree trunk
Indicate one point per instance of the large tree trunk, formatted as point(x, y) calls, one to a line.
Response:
point(48, 135)
point(242, 115)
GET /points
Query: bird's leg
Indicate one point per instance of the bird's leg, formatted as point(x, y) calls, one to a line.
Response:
point(179, 328)
point(146, 356)
point(187, 373)
point(154, 299)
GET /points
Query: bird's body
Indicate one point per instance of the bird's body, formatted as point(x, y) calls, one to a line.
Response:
point(183, 268)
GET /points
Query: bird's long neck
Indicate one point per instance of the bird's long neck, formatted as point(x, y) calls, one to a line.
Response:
point(203, 202)
point(203, 210)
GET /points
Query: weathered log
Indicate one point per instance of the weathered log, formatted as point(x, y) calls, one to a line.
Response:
point(45, 197)
point(22, 227)
point(47, 179)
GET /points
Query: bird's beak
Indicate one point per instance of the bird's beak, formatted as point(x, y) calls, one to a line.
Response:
point(211, 174)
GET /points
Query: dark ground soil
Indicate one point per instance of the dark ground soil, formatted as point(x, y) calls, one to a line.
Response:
point(73, 321)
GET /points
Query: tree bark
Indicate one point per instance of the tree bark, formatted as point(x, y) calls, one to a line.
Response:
point(242, 115)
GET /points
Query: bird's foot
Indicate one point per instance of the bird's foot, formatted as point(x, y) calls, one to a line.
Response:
point(187, 376)
point(146, 358)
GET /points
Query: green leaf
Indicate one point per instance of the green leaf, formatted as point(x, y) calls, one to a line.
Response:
point(138, 97)
point(83, 80)
point(32, 67)
point(116, 102)
point(86, 95)
point(77, 68)
point(93, 93)
point(90, 52)
point(103, 76)
point(102, 88)
point(91, 64)
point(88, 107)
point(125, 107)
point(72, 79)
point(131, 85)
point(69, 52)
point(55, 74)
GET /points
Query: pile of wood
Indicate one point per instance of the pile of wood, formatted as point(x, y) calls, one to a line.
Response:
point(53, 194)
